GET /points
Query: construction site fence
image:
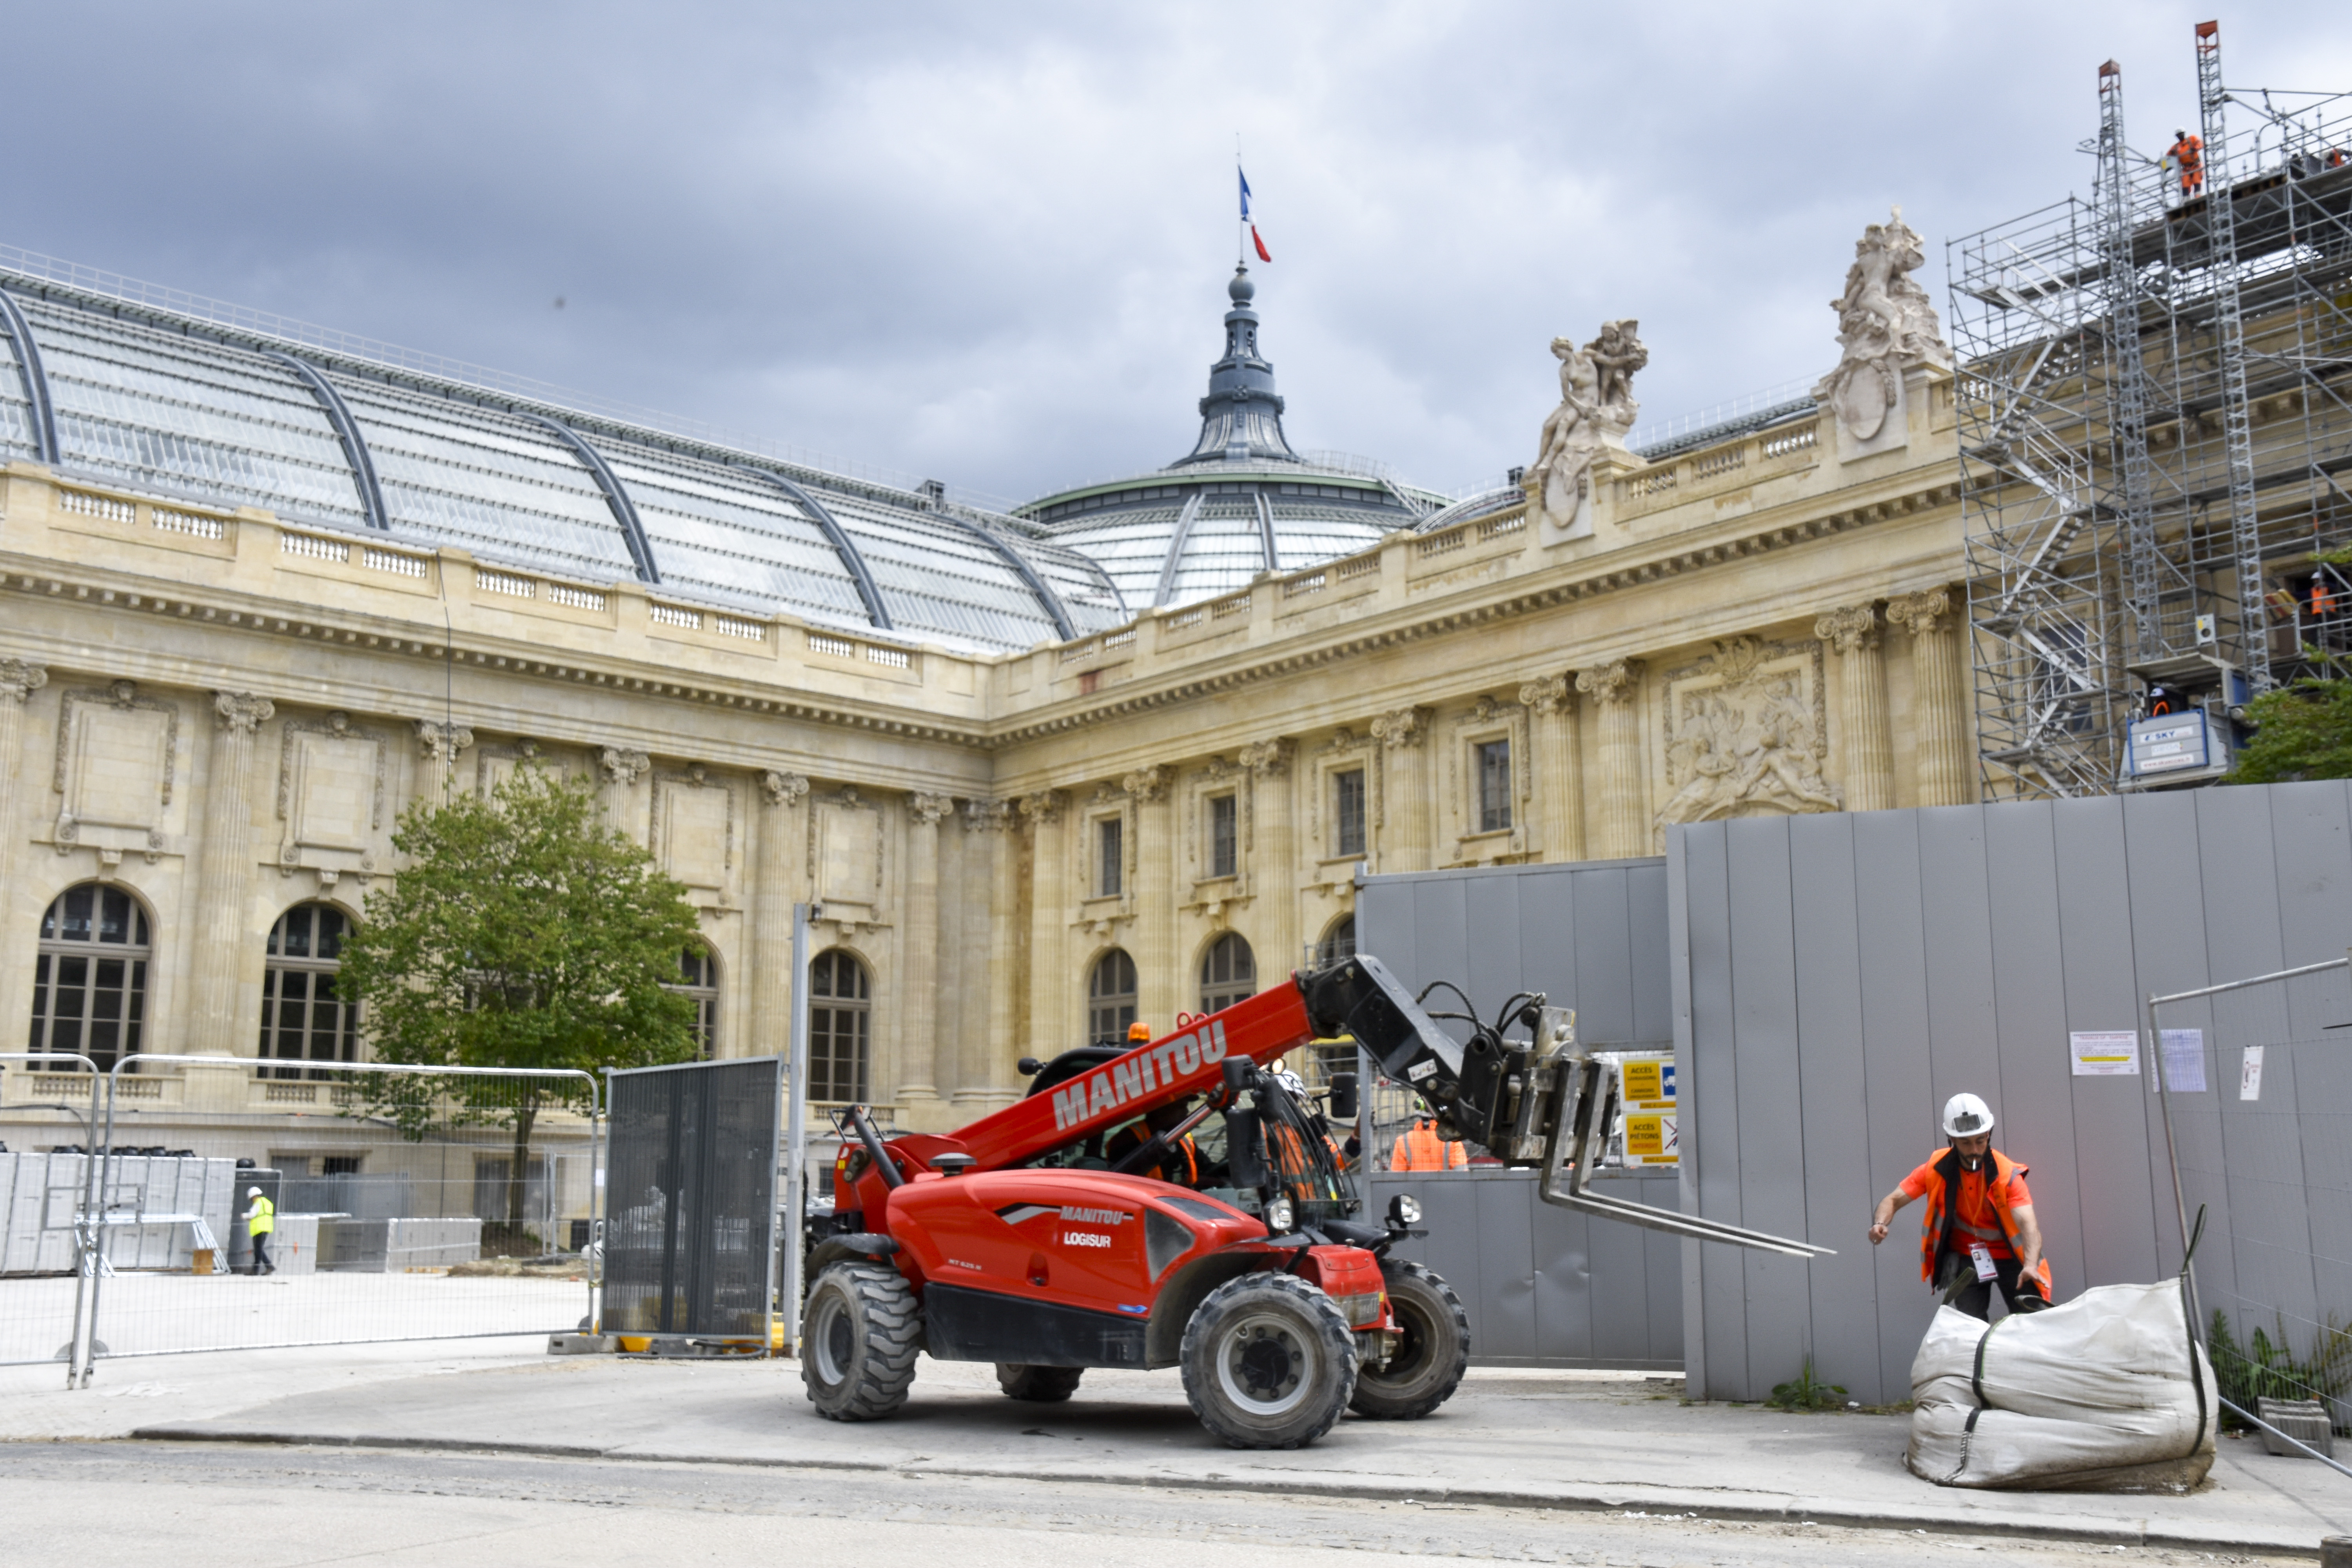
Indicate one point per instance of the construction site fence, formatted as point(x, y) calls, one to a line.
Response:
point(401, 1209)
point(2257, 1086)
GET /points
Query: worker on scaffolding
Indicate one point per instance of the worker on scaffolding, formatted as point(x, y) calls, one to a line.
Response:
point(2187, 155)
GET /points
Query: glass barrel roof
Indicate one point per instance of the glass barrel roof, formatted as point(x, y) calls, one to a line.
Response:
point(1306, 535)
point(937, 578)
point(1223, 551)
point(15, 413)
point(1131, 546)
point(164, 413)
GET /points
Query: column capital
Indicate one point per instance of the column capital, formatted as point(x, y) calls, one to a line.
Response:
point(987, 816)
point(241, 712)
point(1850, 630)
point(1546, 694)
point(20, 678)
point(1404, 727)
point(622, 766)
point(1919, 613)
point(1043, 809)
point(927, 809)
point(1149, 785)
point(1616, 681)
point(783, 789)
point(441, 742)
point(1268, 759)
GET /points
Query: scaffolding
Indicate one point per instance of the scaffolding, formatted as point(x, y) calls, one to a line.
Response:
point(2156, 435)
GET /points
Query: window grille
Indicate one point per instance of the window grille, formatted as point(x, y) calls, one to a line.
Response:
point(1110, 998)
point(1347, 812)
point(1494, 786)
point(1110, 843)
point(302, 1017)
point(841, 1020)
point(698, 981)
point(1228, 973)
point(89, 975)
point(1224, 857)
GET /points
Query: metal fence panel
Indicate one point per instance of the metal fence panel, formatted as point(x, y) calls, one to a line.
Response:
point(690, 1237)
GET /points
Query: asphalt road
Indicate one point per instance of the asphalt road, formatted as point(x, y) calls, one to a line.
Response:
point(92, 1505)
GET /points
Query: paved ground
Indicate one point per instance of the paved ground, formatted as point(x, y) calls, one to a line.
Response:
point(1511, 1440)
point(230, 1506)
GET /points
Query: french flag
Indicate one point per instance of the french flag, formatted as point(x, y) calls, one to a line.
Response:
point(1263, 254)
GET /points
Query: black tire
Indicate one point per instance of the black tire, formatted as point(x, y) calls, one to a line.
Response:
point(1428, 1365)
point(1268, 1361)
point(1039, 1384)
point(860, 1335)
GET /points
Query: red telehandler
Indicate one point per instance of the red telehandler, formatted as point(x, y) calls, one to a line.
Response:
point(1020, 1240)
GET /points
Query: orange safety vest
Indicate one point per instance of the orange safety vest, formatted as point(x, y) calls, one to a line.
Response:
point(2189, 153)
point(1421, 1149)
point(1941, 1229)
point(1182, 1148)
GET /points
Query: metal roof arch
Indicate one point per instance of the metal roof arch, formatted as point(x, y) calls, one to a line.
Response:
point(1174, 560)
point(36, 379)
point(868, 590)
point(1047, 598)
point(624, 511)
point(347, 431)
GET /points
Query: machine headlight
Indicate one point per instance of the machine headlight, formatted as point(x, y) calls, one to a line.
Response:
point(1279, 1216)
point(1361, 1312)
point(1404, 1209)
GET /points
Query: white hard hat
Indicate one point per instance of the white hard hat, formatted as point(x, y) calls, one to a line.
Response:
point(1966, 1116)
point(252, 1191)
point(1291, 1081)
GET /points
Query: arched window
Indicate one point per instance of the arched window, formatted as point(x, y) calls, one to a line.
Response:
point(302, 1019)
point(841, 1022)
point(90, 979)
point(698, 983)
point(1228, 973)
point(1338, 943)
point(1110, 998)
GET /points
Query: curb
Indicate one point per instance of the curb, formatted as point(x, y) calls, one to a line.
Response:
point(1634, 1500)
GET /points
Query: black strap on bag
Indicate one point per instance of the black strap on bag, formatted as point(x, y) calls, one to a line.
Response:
point(2196, 1235)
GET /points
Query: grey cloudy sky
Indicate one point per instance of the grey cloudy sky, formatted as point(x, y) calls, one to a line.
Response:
point(988, 242)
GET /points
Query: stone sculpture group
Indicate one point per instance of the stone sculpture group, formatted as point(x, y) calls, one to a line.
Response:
point(1887, 325)
point(1596, 409)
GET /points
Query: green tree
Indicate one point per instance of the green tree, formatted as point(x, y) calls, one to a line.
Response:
point(2304, 732)
point(520, 932)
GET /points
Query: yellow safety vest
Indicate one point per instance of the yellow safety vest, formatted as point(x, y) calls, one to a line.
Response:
point(262, 1219)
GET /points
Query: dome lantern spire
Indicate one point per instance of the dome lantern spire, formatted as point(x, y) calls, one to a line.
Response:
point(1240, 418)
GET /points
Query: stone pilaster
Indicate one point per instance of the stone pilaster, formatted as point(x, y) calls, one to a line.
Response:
point(1559, 785)
point(1616, 688)
point(1940, 698)
point(988, 1053)
point(622, 769)
point(1158, 994)
point(922, 1055)
point(438, 744)
point(783, 847)
point(1053, 1023)
point(1274, 868)
point(1862, 687)
point(223, 875)
point(1404, 814)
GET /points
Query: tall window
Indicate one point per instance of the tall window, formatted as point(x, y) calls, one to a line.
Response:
point(1110, 859)
point(1228, 973)
point(302, 1019)
point(698, 981)
point(841, 1021)
point(1338, 943)
point(1494, 786)
point(1347, 811)
point(1110, 998)
point(1224, 844)
point(90, 979)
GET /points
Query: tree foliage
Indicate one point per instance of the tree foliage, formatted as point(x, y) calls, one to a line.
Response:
point(2304, 731)
point(520, 931)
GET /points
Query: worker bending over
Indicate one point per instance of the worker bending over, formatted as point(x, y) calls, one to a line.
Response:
point(1979, 1229)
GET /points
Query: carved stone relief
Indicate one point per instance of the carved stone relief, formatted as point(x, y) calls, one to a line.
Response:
point(1746, 729)
point(691, 831)
point(493, 765)
point(118, 755)
point(847, 849)
point(19, 678)
point(439, 743)
point(331, 786)
point(1887, 325)
point(1596, 409)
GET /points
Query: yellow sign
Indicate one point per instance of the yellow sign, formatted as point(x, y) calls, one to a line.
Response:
point(1644, 1082)
point(1645, 1138)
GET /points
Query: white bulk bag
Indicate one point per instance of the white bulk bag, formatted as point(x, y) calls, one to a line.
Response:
point(2108, 1393)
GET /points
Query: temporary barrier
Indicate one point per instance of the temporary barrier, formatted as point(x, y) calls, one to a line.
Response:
point(44, 1198)
point(2257, 1095)
point(691, 1208)
point(408, 1203)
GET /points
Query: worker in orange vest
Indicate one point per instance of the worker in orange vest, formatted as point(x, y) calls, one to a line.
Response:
point(2187, 155)
point(1421, 1149)
point(1979, 1229)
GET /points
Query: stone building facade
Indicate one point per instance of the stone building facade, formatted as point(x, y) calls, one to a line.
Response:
point(212, 715)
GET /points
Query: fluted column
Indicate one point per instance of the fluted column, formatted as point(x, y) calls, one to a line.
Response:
point(1403, 818)
point(622, 769)
point(1157, 994)
point(783, 858)
point(987, 1041)
point(19, 678)
point(224, 870)
point(1946, 761)
point(1862, 684)
point(1273, 869)
point(918, 999)
point(1616, 686)
point(1051, 1027)
point(438, 744)
point(1560, 787)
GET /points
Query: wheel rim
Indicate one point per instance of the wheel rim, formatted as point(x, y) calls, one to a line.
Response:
point(831, 1340)
point(1266, 1365)
point(1413, 1340)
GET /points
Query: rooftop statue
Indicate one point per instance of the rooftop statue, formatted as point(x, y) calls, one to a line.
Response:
point(1887, 325)
point(1596, 409)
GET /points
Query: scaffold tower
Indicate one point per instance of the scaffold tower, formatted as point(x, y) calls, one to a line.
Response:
point(2156, 432)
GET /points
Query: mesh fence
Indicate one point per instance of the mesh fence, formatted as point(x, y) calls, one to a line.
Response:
point(2259, 1089)
point(393, 1205)
point(690, 1233)
point(44, 1194)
